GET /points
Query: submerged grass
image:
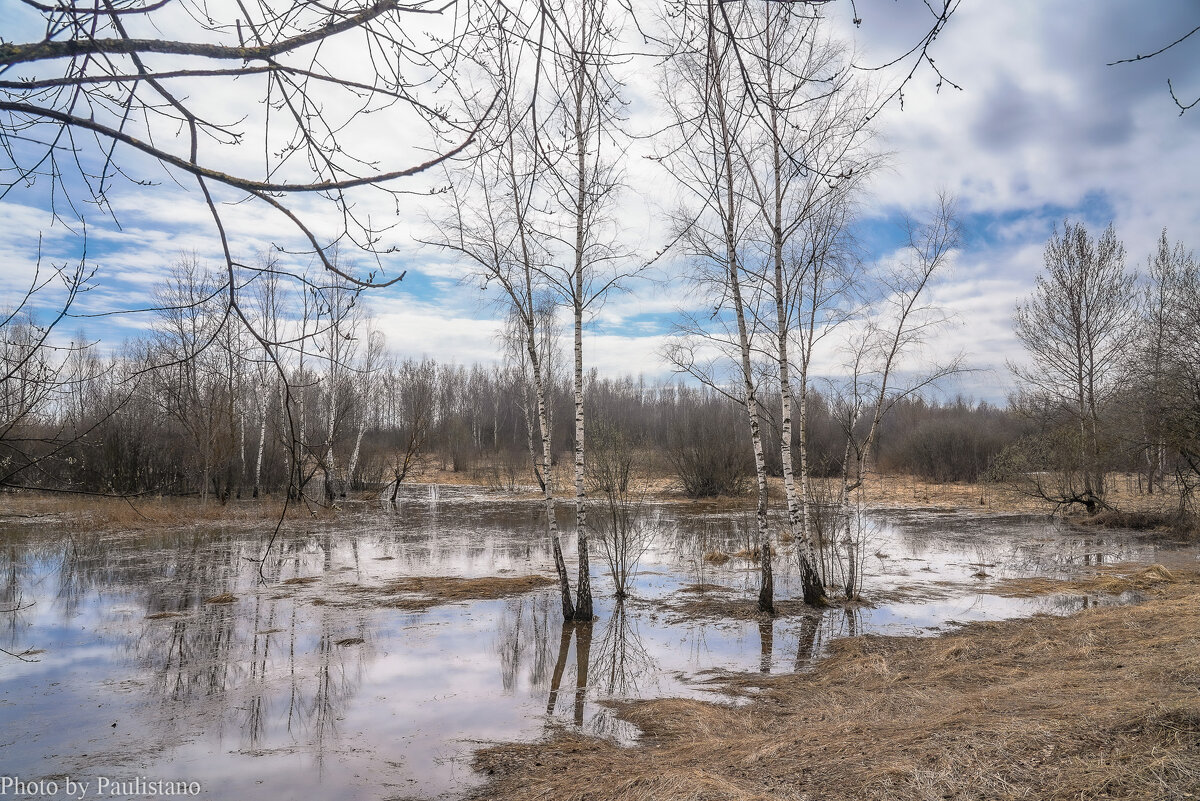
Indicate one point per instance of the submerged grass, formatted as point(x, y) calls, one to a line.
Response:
point(1102, 704)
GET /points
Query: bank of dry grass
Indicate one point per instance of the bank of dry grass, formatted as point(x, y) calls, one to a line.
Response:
point(1138, 510)
point(1102, 704)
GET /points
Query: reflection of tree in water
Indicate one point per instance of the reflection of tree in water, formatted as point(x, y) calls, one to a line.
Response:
point(766, 639)
point(216, 663)
point(524, 640)
point(622, 663)
point(581, 633)
point(818, 630)
point(615, 667)
point(11, 602)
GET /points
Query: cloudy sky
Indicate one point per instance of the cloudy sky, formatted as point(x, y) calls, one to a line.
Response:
point(1041, 130)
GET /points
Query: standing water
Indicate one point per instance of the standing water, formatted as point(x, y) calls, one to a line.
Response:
point(181, 656)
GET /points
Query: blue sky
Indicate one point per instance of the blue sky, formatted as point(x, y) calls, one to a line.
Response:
point(1042, 130)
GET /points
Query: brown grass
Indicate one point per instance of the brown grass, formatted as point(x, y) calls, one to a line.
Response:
point(418, 593)
point(1156, 520)
point(1109, 580)
point(717, 557)
point(223, 598)
point(1139, 511)
point(1102, 704)
point(702, 606)
point(705, 587)
point(146, 514)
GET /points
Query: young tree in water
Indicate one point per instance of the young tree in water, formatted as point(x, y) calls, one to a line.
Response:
point(898, 323)
point(493, 201)
point(704, 92)
point(1076, 327)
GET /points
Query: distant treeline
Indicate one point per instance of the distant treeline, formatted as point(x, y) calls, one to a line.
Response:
point(158, 417)
point(199, 407)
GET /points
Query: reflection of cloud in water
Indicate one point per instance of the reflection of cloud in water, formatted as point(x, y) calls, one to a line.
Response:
point(261, 690)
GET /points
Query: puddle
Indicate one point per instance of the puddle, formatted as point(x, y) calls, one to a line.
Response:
point(288, 689)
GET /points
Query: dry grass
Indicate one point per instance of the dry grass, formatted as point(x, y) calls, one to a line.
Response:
point(1154, 520)
point(144, 514)
point(717, 557)
point(418, 593)
point(703, 606)
point(705, 587)
point(1103, 704)
point(223, 598)
point(1139, 511)
point(753, 554)
point(1109, 580)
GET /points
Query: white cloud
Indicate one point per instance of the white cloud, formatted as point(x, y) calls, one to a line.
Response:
point(1042, 129)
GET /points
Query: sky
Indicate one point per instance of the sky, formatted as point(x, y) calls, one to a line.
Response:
point(1042, 130)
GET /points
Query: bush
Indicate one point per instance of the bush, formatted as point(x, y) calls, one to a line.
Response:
point(707, 451)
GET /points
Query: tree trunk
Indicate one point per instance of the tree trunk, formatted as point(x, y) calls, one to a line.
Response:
point(262, 441)
point(560, 564)
point(766, 593)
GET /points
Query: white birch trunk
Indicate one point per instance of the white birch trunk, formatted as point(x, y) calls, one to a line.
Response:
point(262, 441)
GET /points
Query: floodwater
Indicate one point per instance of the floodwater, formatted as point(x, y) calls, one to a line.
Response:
point(288, 693)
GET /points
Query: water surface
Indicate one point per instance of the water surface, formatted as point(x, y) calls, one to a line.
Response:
point(291, 692)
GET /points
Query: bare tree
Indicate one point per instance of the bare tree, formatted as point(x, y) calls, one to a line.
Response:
point(807, 155)
point(704, 96)
point(36, 373)
point(899, 323)
point(490, 222)
point(580, 147)
point(413, 385)
point(624, 535)
point(366, 387)
point(1162, 375)
point(1075, 328)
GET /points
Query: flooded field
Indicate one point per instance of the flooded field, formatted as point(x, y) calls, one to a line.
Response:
point(181, 656)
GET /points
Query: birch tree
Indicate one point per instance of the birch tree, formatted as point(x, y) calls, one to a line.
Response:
point(366, 386)
point(492, 203)
point(807, 154)
point(581, 148)
point(710, 114)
